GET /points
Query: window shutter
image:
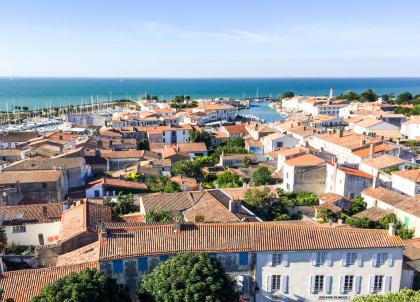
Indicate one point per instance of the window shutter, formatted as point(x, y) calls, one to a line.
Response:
point(390, 259)
point(387, 282)
point(270, 260)
point(371, 283)
point(328, 284)
point(357, 283)
point(342, 284)
point(344, 260)
point(360, 259)
point(374, 260)
point(314, 259)
point(312, 284)
point(329, 259)
point(285, 259)
point(285, 284)
point(268, 287)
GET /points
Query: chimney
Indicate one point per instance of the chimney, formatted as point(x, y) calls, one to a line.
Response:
point(371, 150)
point(102, 229)
point(362, 142)
point(177, 227)
point(392, 229)
point(340, 132)
point(235, 206)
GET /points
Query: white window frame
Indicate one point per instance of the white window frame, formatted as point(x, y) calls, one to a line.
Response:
point(275, 283)
point(321, 258)
point(378, 283)
point(277, 259)
point(348, 285)
point(19, 229)
point(381, 259)
point(351, 258)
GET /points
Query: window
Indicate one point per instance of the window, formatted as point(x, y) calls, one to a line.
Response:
point(351, 258)
point(44, 185)
point(381, 258)
point(319, 283)
point(19, 229)
point(277, 259)
point(279, 144)
point(287, 175)
point(243, 258)
point(378, 283)
point(275, 282)
point(97, 193)
point(30, 186)
point(321, 258)
point(348, 283)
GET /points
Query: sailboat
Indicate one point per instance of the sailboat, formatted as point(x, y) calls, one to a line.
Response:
point(257, 99)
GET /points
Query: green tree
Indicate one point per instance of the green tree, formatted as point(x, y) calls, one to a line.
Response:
point(257, 197)
point(357, 206)
point(144, 145)
point(349, 95)
point(247, 161)
point(228, 179)
point(405, 295)
point(87, 286)
point(368, 96)
point(196, 136)
point(158, 216)
point(123, 205)
point(188, 277)
point(363, 223)
point(306, 198)
point(324, 215)
point(189, 168)
point(133, 176)
point(261, 176)
point(404, 98)
point(287, 94)
point(162, 184)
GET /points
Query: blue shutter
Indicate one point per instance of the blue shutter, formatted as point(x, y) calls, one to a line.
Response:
point(117, 266)
point(243, 258)
point(163, 257)
point(142, 264)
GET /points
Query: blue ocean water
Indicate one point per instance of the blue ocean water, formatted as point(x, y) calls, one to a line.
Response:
point(41, 92)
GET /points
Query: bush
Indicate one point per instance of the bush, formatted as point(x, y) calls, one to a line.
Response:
point(228, 179)
point(261, 176)
point(188, 277)
point(124, 205)
point(405, 295)
point(87, 286)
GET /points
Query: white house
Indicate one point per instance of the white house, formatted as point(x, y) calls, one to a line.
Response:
point(371, 124)
point(411, 128)
point(37, 224)
point(277, 140)
point(406, 182)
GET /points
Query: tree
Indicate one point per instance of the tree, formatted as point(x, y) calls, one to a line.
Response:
point(357, 206)
point(324, 215)
point(368, 96)
point(287, 94)
point(3, 239)
point(187, 168)
point(86, 286)
point(306, 198)
point(349, 95)
point(196, 136)
point(261, 176)
point(363, 223)
point(404, 98)
point(188, 277)
point(158, 216)
point(259, 197)
point(133, 176)
point(247, 161)
point(162, 184)
point(405, 295)
point(144, 145)
point(124, 205)
point(228, 179)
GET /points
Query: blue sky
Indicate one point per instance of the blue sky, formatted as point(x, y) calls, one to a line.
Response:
point(213, 38)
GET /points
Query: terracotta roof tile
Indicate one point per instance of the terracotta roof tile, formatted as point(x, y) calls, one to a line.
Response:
point(413, 175)
point(22, 285)
point(236, 237)
point(383, 161)
point(373, 213)
point(385, 195)
point(35, 213)
point(305, 160)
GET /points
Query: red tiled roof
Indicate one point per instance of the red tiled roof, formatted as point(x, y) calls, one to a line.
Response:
point(385, 195)
point(305, 160)
point(364, 152)
point(354, 172)
point(413, 175)
point(22, 285)
point(235, 237)
point(35, 213)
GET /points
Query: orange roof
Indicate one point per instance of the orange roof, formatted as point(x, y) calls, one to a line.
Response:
point(192, 147)
point(413, 175)
point(305, 160)
point(238, 237)
point(383, 161)
point(349, 140)
point(355, 172)
point(385, 195)
point(364, 152)
point(216, 107)
point(235, 128)
point(22, 285)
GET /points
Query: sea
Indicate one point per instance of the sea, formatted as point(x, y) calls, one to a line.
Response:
point(49, 92)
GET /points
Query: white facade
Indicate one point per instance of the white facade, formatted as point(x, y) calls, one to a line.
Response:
point(291, 276)
point(271, 145)
point(380, 126)
point(176, 136)
point(411, 129)
point(404, 185)
point(33, 234)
